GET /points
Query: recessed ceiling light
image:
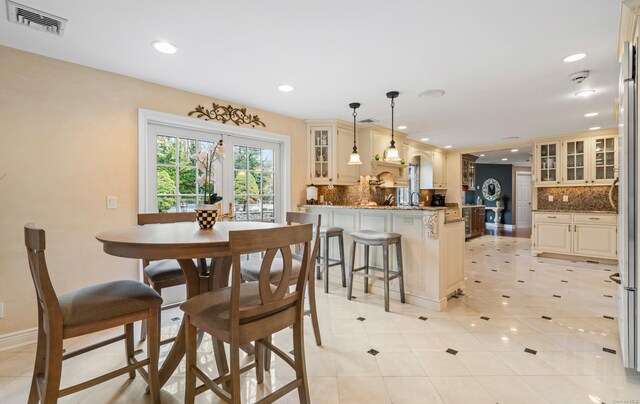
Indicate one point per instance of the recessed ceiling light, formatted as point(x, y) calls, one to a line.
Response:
point(164, 47)
point(435, 93)
point(424, 139)
point(585, 93)
point(511, 137)
point(590, 114)
point(514, 150)
point(482, 155)
point(402, 127)
point(448, 146)
point(285, 88)
point(575, 57)
point(505, 159)
point(594, 128)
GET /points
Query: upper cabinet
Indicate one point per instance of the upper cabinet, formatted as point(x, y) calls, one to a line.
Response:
point(577, 161)
point(604, 159)
point(439, 163)
point(468, 171)
point(330, 144)
point(547, 163)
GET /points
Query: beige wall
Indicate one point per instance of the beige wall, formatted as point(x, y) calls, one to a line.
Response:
point(69, 139)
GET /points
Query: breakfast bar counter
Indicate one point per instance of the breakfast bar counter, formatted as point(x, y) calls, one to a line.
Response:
point(432, 247)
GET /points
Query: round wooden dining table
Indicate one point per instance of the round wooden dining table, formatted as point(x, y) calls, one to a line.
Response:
point(183, 242)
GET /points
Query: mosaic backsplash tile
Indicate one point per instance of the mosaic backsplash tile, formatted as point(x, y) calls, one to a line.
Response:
point(362, 193)
point(580, 198)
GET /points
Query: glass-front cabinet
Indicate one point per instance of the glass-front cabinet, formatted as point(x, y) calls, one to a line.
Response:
point(547, 163)
point(575, 161)
point(604, 159)
point(320, 166)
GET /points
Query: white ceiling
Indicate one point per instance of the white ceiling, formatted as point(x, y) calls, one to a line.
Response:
point(520, 158)
point(499, 61)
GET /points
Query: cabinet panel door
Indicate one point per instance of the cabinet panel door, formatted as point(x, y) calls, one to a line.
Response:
point(604, 159)
point(575, 161)
point(321, 152)
point(595, 241)
point(548, 163)
point(345, 173)
point(553, 237)
point(439, 170)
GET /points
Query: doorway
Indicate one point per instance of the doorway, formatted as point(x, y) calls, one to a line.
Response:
point(523, 199)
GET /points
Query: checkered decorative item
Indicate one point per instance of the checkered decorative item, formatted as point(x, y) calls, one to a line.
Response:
point(206, 218)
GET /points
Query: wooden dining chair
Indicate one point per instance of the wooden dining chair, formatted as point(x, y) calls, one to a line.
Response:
point(84, 311)
point(252, 312)
point(251, 268)
point(163, 274)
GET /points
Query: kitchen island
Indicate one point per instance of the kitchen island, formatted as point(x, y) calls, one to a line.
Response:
point(432, 248)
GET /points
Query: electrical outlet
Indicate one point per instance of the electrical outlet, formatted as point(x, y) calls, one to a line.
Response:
point(565, 198)
point(1, 310)
point(112, 202)
point(550, 198)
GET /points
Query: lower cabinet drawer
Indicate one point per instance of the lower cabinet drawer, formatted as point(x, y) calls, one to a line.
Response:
point(595, 218)
point(552, 217)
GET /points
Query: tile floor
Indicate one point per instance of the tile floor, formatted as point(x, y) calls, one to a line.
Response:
point(527, 330)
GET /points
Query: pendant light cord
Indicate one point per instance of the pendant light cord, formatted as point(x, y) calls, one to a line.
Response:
point(393, 104)
point(355, 149)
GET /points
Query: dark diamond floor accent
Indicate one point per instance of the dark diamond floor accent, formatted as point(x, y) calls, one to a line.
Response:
point(354, 297)
point(373, 352)
point(563, 281)
point(360, 318)
point(175, 318)
point(478, 281)
point(517, 255)
point(609, 350)
point(484, 318)
point(507, 262)
point(423, 318)
point(558, 296)
point(607, 280)
point(607, 296)
point(487, 255)
point(506, 296)
point(608, 317)
point(532, 270)
point(451, 351)
point(473, 262)
point(569, 270)
point(607, 270)
point(546, 317)
point(520, 281)
point(494, 270)
point(531, 351)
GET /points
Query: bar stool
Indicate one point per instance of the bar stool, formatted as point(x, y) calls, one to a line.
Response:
point(322, 261)
point(373, 238)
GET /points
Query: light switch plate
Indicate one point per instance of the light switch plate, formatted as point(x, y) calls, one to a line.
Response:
point(565, 198)
point(550, 198)
point(112, 202)
point(1, 310)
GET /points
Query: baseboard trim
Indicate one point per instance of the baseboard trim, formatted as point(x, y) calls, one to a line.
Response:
point(18, 339)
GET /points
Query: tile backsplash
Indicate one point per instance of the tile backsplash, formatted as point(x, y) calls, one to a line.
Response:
point(580, 198)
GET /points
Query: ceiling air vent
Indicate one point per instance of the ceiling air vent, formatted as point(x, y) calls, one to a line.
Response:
point(36, 19)
point(368, 120)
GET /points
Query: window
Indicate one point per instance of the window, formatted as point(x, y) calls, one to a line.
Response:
point(252, 175)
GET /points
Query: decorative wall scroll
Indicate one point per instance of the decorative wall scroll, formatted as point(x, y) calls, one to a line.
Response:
point(431, 222)
point(224, 114)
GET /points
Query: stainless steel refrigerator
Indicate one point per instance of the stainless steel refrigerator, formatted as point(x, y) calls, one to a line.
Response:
point(628, 209)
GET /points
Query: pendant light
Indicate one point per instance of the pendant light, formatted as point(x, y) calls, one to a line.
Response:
point(392, 151)
point(355, 157)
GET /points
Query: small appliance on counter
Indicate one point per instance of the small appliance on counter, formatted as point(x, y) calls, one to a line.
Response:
point(312, 195)
point(437, 200)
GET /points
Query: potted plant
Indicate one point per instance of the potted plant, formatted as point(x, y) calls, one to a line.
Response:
point(376, 157)
point(207, 211)
point(498, 201)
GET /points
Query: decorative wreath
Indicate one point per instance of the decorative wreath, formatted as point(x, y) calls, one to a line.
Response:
point(491, 189)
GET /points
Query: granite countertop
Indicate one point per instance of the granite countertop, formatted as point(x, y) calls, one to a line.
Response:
point(472, 206)
point(606, 212)
point(383, 207)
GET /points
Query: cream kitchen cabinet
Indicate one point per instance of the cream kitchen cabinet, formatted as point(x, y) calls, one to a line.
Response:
point(580, 234)
point(575, 161)
point(548, 163)
point(587, 160)
point(439, 162)
point(604, 159)
point(330, 145)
